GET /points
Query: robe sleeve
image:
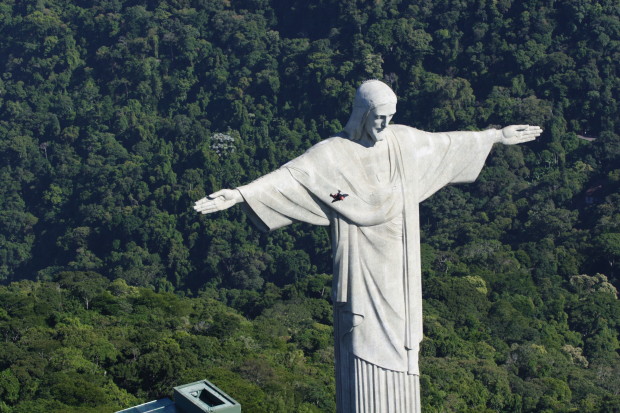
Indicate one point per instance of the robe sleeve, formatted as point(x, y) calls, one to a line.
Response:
point(447, 158)
point(278, 199)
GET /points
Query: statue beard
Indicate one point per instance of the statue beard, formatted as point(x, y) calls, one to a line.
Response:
point(377, 135)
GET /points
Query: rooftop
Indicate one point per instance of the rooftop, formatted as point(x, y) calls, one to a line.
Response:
point(197, 397)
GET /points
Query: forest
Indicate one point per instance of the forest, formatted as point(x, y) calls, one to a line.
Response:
point(116, 115)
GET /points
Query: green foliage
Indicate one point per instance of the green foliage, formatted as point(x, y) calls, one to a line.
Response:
point(116, 115)
point(88, 358)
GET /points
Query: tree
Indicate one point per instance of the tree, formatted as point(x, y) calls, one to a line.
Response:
point(609, 248)
point(83, 285)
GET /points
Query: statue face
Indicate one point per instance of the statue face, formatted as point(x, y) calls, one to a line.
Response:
point(378, 119)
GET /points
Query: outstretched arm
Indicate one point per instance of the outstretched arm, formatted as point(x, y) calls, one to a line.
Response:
point(218, 201)
point(515, 134)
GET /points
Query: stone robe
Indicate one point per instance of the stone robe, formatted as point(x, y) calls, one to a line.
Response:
point(376, 246)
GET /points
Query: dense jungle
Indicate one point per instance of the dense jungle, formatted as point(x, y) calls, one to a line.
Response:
point(116, 115)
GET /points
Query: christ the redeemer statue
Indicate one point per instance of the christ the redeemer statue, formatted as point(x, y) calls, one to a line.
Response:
point(379, 173)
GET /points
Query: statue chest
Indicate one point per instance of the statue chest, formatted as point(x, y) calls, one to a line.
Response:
point(376, 162)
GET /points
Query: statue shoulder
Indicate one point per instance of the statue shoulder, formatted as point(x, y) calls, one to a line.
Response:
point(329, 144)
point(320, 152)
point(405, 132)
point(403, 128)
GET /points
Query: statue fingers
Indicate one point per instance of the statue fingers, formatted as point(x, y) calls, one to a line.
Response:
point(205, 206)
point(198, 204)
point(535, 130)
point(519, 138)
point(532, 132)
point(525, 137)
point(217, 201)
point(208, 208)
point(202, 203)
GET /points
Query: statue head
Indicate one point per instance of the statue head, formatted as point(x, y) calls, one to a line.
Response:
point(373, 107)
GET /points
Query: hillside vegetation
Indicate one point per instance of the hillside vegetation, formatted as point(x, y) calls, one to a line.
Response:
point(116, 115)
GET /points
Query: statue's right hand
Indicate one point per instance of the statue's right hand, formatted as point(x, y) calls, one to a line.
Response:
point(218, 201)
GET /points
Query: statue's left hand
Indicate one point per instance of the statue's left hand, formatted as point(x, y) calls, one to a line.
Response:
point(514, 134)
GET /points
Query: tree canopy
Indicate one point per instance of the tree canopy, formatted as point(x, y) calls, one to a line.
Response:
point(116, 115)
